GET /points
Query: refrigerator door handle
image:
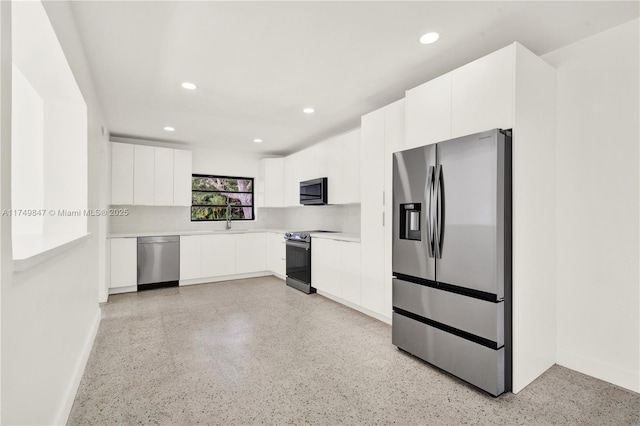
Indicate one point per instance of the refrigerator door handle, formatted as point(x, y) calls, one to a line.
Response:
point(429, 211)
point(440, 212)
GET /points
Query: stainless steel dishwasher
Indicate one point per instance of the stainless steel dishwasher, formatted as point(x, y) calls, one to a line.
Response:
point(158, 262)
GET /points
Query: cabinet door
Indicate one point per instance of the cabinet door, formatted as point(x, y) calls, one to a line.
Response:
point(143, 175)
point(218, 256)
point(273, 182)
point(124, 262)
point(318, 155)
point(304, 168)
point(325, 266)
point(394, 139)
point(276, 254)
point(182, 177)
point(251, 252)
point(190, 255)
point(335, 180)
point(163, 177)
point(121, 173)
point(350, 276)
point(350, 179)
point(428, 112)
point(287, 181)
point(371, 203)
point(482, 94)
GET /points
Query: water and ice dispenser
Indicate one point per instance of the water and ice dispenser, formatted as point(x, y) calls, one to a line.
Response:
point(410, 221)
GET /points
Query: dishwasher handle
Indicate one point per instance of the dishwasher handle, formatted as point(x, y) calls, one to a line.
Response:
point(159, 239)
point(158, 242)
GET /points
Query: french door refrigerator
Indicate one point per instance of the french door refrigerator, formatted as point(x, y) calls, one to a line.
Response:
point(452, 257)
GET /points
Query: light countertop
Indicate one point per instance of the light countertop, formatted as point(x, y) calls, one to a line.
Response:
point(207, 232)
point(340, 236)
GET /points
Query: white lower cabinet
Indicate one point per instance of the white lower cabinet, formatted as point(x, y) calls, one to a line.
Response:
point(124, 262)
point(250, 253)
point(326, 263)
point(276, 254)
point(190, 250)
point(218, 255)
point(335, 268)
point(350, 272)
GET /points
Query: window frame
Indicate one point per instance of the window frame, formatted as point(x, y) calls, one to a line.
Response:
point(252, 192)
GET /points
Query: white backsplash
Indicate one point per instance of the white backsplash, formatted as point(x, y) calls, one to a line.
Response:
point(343, 218)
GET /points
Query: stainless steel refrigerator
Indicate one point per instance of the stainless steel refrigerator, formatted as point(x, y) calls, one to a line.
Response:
point(452, 257)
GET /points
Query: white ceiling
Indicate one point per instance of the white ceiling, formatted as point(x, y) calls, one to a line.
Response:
point(258, 64)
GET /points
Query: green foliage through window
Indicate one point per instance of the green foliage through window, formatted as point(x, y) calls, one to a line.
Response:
point(213, 197)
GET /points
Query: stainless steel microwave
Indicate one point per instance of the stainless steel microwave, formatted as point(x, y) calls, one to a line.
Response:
point(313, 192)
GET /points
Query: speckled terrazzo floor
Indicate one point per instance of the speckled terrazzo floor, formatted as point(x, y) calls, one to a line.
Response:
point(256, 351)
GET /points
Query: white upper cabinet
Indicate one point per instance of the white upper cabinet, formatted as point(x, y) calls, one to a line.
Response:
point(428, 112)
point(317, 162)
point(182, 169)
point(289, 179)
point(121, 173)
point(270, 188)
point(482, 93)
point(163, 177)
point(143, 175)
point(337, 159)
point(151, 176)
point(335, 180)
point(350, 178)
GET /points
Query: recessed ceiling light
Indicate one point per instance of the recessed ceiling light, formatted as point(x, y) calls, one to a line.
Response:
point(189, 86)
point(170, 129)
point(257, 140)
point(429, 38)
point(308, 110)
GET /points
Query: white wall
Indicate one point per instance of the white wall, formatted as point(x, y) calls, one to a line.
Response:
point(50, 155)
point(598, 300)
point(6, 255)
point(27, 155)
point(49, 313)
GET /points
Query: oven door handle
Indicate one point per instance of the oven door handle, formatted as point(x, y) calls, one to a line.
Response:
point(296, 244)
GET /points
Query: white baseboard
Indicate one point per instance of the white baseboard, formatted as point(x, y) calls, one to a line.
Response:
point(72, 388)
point(118, 290)
point(103, 297)
point(358, 308)
point(225, 278)
point(608, 372)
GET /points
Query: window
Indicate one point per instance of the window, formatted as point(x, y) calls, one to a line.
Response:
point(213, 197)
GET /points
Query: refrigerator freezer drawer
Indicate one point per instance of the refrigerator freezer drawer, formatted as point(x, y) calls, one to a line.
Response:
point(474, 316)
point(481, 366)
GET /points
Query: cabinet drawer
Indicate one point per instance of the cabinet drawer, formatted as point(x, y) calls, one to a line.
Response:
point(481, 366)
point(475, 316)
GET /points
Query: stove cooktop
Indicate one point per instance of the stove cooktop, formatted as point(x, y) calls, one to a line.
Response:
point(302, 235)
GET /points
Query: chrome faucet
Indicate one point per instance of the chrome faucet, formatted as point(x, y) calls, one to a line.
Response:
point(228, 215)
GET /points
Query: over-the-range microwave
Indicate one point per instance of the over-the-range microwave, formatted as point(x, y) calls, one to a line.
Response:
point(313, 192)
